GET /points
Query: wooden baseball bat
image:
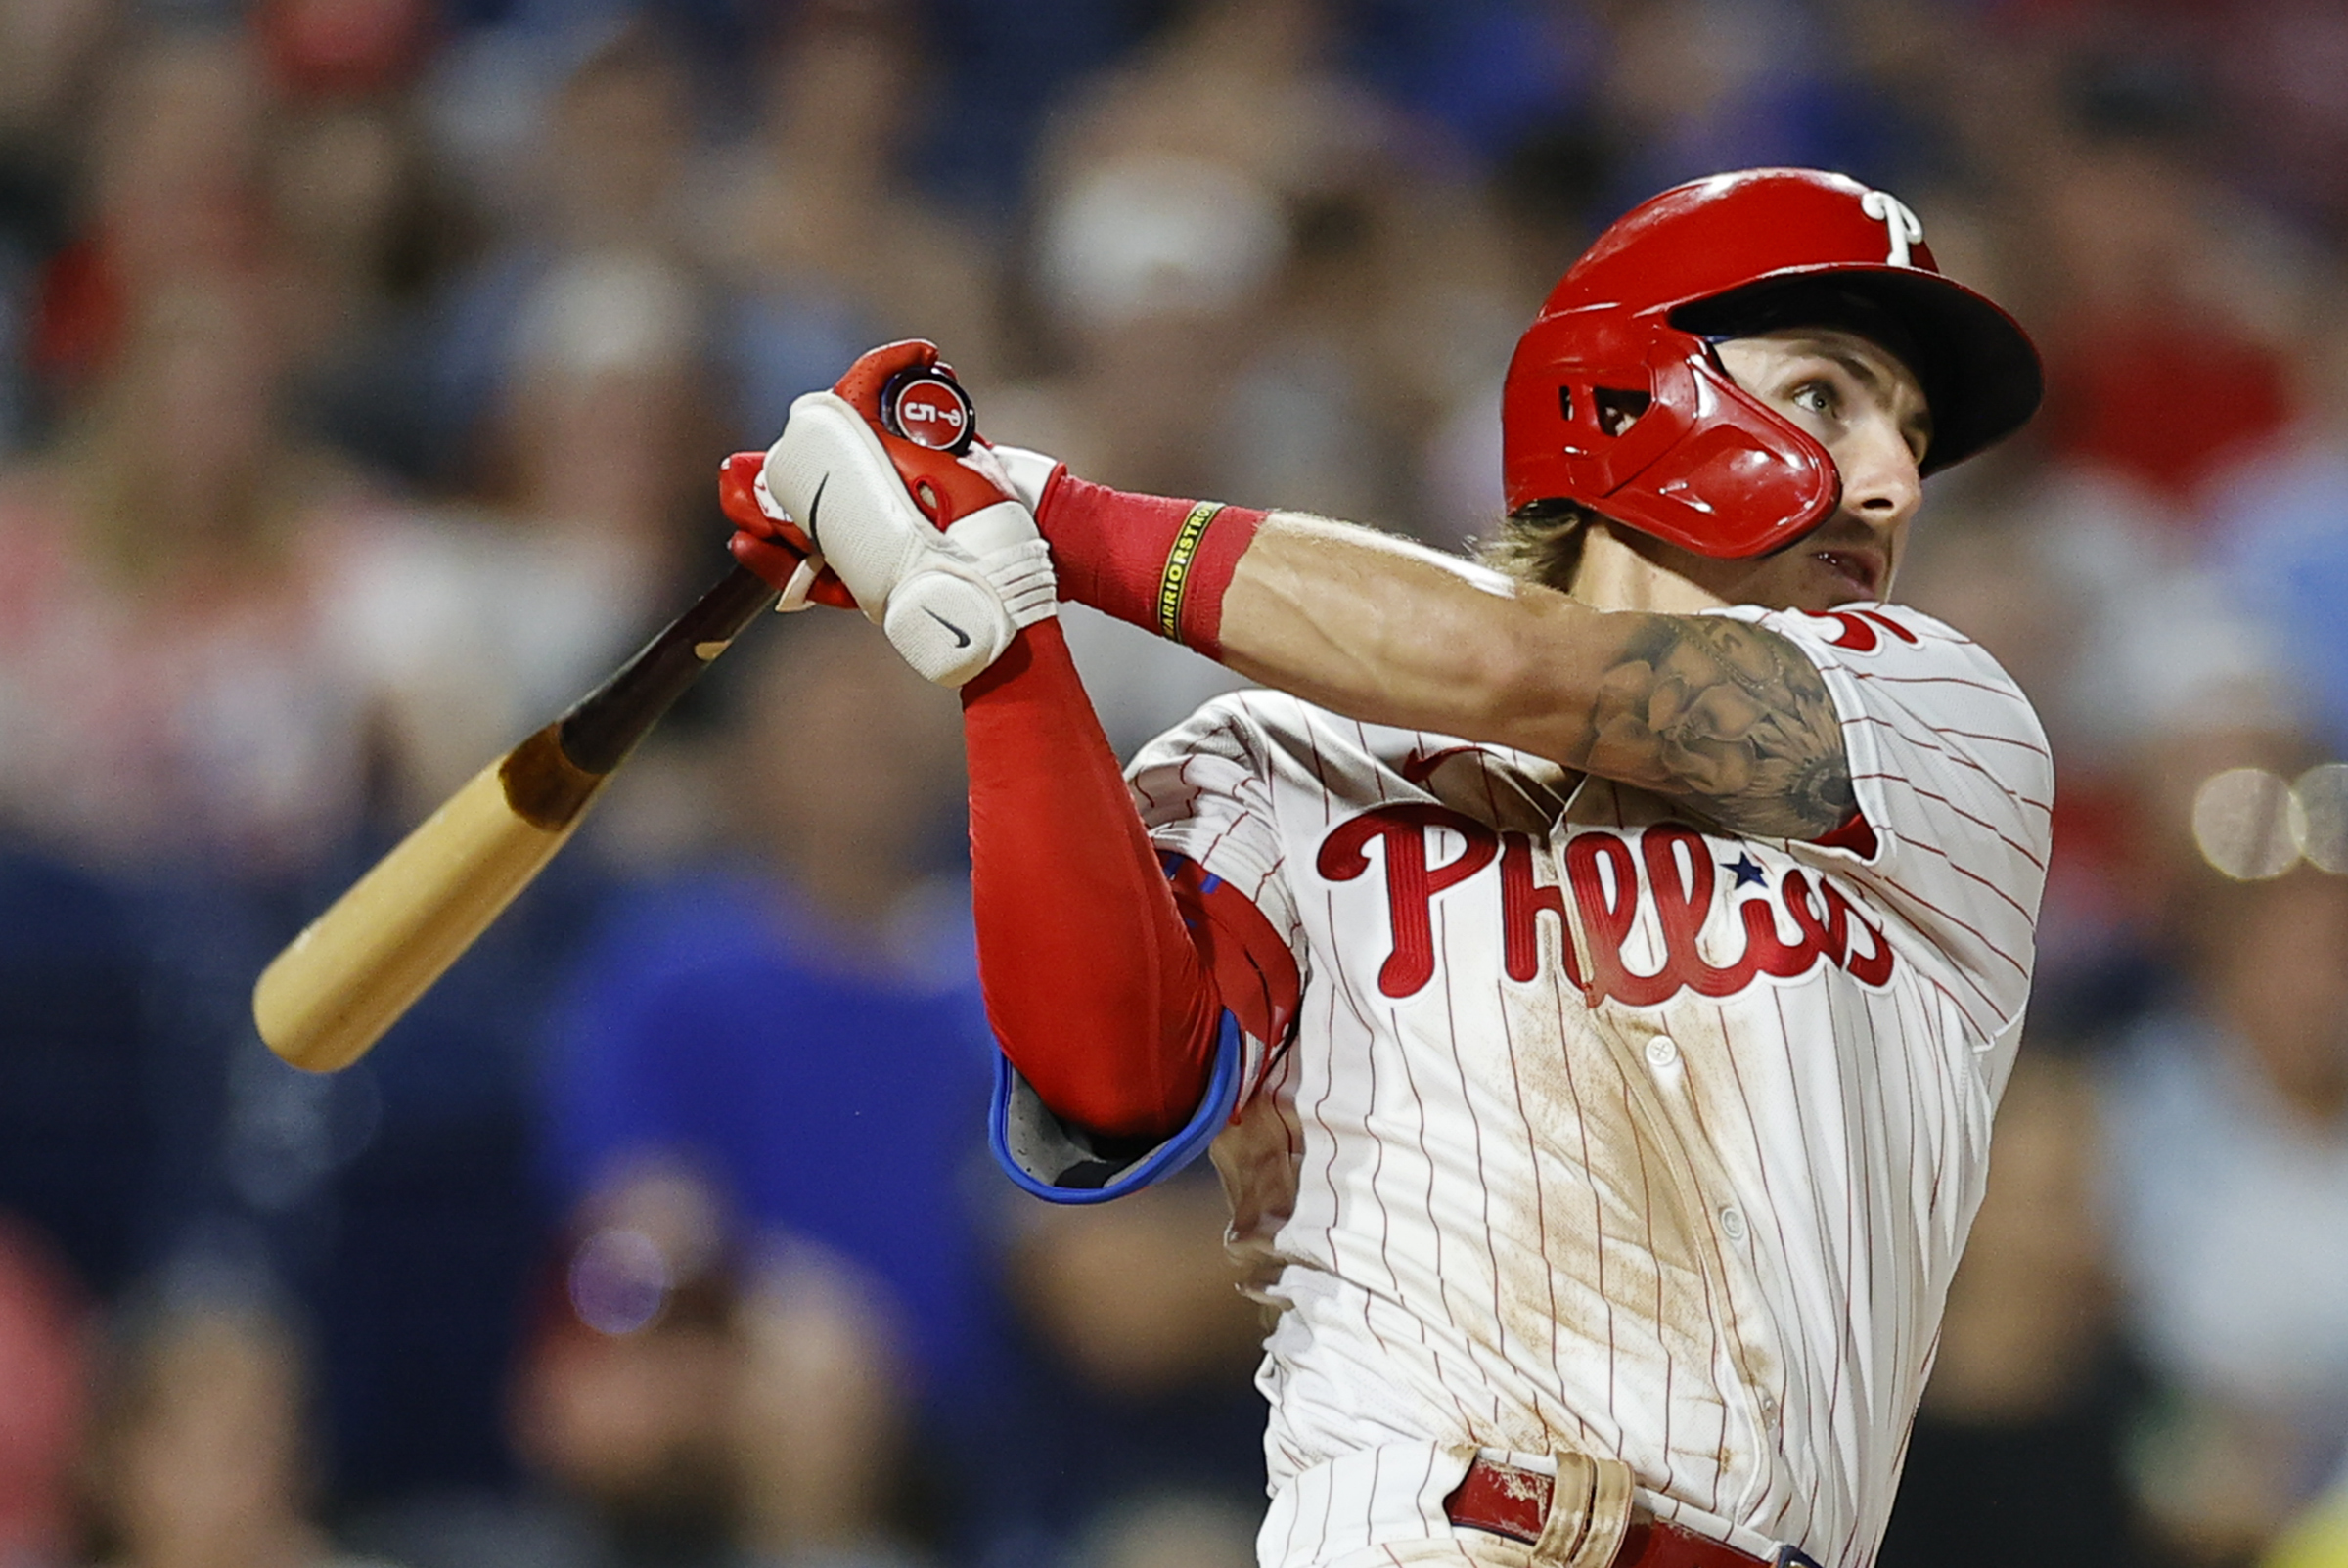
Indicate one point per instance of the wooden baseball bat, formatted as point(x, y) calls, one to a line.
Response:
point(350, 974)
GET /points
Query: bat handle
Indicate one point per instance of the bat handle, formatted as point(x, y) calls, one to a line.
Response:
point(550, 778)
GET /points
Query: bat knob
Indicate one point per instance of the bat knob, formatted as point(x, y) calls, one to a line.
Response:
point(929, 408)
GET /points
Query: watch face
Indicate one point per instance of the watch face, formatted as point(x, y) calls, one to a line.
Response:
point(929, 411)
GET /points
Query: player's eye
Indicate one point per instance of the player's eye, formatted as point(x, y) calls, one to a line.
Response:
point(1819, 397)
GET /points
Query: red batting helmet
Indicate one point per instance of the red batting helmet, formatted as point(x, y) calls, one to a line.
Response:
point(1616, 400)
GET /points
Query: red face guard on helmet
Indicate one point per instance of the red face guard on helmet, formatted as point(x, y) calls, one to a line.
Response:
point(1614, 401)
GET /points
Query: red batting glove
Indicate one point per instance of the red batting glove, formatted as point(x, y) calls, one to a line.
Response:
point(772, 545)
point(947, 488)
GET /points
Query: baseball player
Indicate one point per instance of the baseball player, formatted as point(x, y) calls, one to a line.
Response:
point(1595, 977)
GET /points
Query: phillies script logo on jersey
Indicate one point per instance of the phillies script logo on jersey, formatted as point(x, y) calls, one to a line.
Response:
point(1669, 865)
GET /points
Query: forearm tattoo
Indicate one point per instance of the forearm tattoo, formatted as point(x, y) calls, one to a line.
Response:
point(1728, 716)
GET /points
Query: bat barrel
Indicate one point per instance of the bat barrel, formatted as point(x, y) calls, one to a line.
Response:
point(348, 977)
point(357, 967)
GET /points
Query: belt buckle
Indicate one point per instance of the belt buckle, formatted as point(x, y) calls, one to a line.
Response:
point(1794, 1558)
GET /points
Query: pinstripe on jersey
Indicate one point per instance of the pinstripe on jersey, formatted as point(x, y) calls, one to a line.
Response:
point(1601, 1129)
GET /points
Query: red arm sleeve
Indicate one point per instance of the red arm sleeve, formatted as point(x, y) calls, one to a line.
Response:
point(1254, 973)
point(1092, 982)
point(1160, 564)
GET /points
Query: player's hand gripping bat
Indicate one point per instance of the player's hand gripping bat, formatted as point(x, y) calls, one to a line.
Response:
point(357, 967)
point(347, 977)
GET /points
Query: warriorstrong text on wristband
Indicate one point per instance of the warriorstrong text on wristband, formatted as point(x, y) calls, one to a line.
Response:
point(1177, 574)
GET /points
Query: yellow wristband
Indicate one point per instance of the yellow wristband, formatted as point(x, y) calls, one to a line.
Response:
point(1177, 575)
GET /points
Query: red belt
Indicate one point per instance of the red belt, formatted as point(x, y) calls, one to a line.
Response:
point(1507, 1501)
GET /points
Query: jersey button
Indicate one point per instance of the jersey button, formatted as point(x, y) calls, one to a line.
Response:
point(1732, 1222)
point(1662, 1050)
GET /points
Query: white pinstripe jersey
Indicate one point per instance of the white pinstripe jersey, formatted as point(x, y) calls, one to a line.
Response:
point(1601, 1129)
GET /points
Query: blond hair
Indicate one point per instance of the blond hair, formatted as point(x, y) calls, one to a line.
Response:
point(1540, 542)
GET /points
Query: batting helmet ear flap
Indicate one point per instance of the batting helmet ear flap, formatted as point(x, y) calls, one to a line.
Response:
point(1737, 478)
point(1620, 415)
point(1681, 451)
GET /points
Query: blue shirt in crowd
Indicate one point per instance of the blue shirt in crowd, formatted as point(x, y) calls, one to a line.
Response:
point(835, 1093)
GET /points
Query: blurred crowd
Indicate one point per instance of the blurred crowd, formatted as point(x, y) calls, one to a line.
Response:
point(662, 1234)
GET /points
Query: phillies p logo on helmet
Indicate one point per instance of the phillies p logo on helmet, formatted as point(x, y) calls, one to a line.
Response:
point(1906, 229)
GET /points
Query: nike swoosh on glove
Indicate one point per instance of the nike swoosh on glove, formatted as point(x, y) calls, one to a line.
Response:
point(937, 548)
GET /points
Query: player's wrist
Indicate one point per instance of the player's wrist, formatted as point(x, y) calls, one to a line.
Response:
point(1032, 476)
point(1156, 562)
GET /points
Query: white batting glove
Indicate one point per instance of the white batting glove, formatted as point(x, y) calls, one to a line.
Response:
point(950, 600)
